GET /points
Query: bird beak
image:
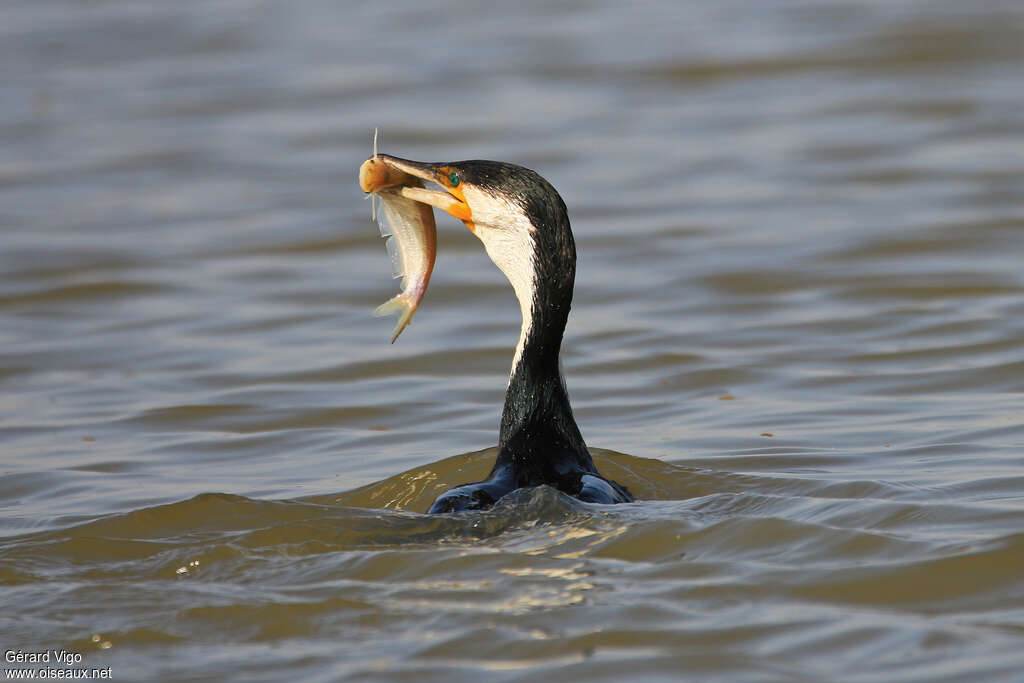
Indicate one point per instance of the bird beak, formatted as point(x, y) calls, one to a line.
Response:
point(449, 198)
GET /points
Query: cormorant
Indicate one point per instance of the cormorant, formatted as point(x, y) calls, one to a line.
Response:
point(524, 226)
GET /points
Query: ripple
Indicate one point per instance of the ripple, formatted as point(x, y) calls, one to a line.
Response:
point(797, 297)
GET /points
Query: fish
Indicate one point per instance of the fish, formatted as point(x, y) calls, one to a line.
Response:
point(411, 234)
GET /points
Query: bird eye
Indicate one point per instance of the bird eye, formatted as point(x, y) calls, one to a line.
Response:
point(453, 178)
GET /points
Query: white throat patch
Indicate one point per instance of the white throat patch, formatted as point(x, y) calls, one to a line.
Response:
point(507, 235)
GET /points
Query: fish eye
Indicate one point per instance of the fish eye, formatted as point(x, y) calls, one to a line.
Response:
point(453, 178)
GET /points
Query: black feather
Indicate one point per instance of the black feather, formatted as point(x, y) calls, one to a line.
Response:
point(539, 442)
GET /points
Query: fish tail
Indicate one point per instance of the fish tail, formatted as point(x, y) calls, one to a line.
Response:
point(403, 307)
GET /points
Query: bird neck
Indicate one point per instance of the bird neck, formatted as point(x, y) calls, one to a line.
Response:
point(539, 436)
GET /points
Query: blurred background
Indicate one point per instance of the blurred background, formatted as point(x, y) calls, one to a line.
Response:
point(799, 228)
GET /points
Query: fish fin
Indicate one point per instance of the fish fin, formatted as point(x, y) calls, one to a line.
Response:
point(397, 270)
point(398, 304)
point(384, 224)
point(386, 219)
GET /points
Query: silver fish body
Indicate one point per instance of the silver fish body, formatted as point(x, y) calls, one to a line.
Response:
point(411, 237)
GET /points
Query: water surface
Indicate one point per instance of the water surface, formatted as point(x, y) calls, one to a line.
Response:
point(796, 336)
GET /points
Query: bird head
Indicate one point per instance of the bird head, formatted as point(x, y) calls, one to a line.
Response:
point(520, 218)
point(517, 215)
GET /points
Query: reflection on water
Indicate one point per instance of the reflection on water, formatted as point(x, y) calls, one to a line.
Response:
point(797, 323)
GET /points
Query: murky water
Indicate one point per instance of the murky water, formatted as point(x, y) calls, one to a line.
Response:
point(797, 330)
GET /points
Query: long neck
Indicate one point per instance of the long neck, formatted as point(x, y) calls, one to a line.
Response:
point(539, 435)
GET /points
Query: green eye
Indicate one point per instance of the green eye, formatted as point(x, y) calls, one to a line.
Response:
point(453, 177)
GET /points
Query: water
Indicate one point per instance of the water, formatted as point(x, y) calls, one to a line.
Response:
point(796, 337)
